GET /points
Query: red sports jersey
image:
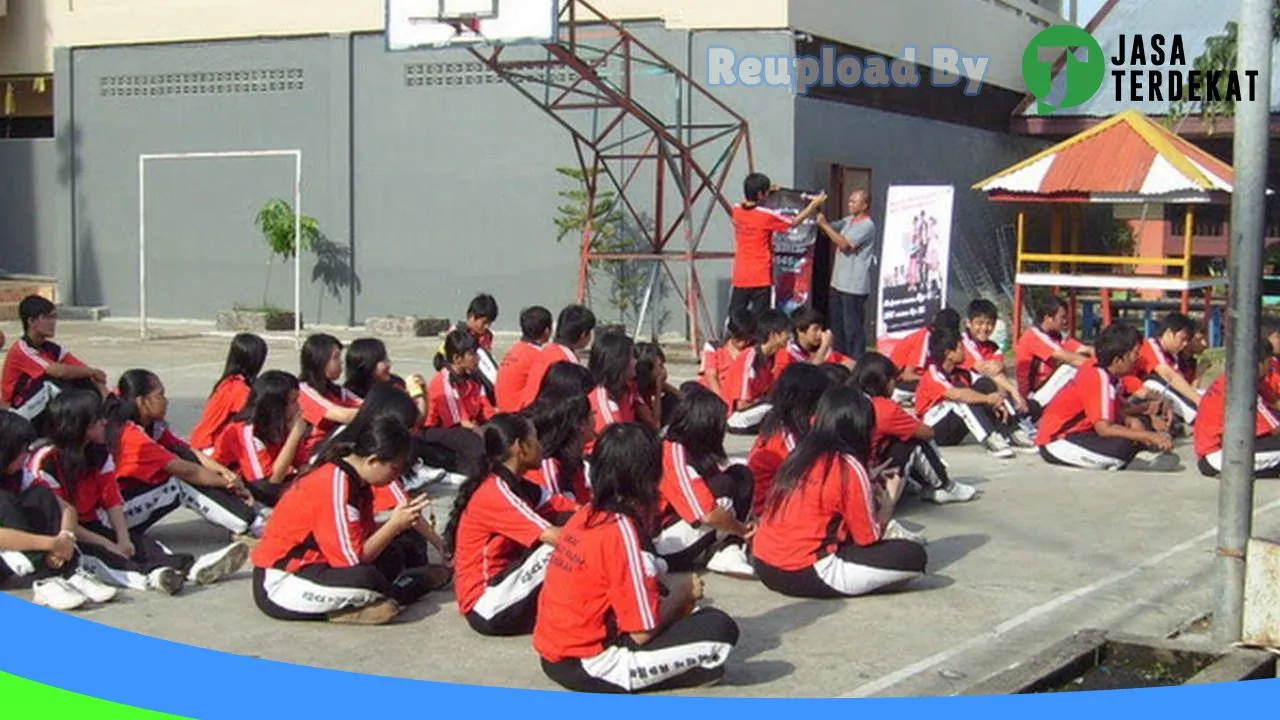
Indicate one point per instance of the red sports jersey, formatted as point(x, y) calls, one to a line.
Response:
point(753, 230)
point(452, 399)
point(766, 456)
point(599, 582)
point(1151, 356)
point(387, 497)
point(513, 376)
point(1211, 416)
point(94, 490)
point(25, 365)
point(743, 377)
point(323, 519)
point(549, 477)
point(239, 449)
point(912, 351)
point(1272, 378)
point(892, 423)
point(228, 398)
point(496, 527)
point(549, 355)
point(141, 457)
point(314, 404)
point(608, 411)
point(1033, 357)
point(976, 352)
point(1090, 397)
point(794, 353)
point(934, 384)
point(682, 493)
point(833, 504)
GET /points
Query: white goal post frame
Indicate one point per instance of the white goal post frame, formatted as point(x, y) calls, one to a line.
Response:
point(297, 224)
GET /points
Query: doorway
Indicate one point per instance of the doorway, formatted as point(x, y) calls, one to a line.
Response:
point(840, 181)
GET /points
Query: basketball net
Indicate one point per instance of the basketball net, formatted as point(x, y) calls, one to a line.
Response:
point(465, 25)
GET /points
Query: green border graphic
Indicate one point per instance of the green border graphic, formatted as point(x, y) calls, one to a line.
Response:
point(26, 699)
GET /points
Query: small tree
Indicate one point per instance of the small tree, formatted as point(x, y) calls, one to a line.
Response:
point(609, 235)
point(276, 221)
point(1221, 55)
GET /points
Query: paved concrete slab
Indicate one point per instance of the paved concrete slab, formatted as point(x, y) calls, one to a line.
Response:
point(1043, 553)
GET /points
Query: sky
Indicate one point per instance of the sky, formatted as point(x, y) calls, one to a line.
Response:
point(1087, 10)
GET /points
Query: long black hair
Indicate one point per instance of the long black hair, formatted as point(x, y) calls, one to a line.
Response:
point(648, 357)
point(71, 414)
point(502, 432)
point(384, 402)
point(16, 435)
point(383, 439)
point(363, 356)
point(558, 420)
point(245, 358)
point(458, 343)
point(795, 399)
point(267, 405)
point(611, 356)
point(567, 378)
point(313, 359)
point(699, 424)
point(843, 425)
point(626, 466)
point(873, 373)
point(121, 407)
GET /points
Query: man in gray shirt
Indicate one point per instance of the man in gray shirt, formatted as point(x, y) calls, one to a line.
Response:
point(855, 241)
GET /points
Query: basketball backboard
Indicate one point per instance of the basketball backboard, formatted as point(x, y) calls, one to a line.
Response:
point(437, 24)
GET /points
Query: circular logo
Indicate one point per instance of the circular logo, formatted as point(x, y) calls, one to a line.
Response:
point(1082, 78)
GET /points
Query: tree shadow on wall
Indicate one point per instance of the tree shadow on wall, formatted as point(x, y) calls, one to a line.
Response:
point(333, 271)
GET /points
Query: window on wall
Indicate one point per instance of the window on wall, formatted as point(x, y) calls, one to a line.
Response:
point(26, 107)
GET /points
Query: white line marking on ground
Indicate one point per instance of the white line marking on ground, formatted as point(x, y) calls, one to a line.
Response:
point(887, 681)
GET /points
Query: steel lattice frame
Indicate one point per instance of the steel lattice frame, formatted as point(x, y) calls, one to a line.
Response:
point(592, 106)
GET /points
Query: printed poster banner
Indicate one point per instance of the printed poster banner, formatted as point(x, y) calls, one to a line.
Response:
point(792, 251)
point(913, 258)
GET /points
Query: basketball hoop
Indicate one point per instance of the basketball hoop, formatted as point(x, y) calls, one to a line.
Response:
point(466, 25)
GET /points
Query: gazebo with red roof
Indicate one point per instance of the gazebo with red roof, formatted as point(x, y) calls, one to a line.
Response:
point(1128, 161)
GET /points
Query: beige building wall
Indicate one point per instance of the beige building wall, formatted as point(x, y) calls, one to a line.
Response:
point(32, 28)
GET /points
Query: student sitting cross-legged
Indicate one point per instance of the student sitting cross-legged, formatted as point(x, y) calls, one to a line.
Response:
point(36, 369)
point(701, 493)
point(1156, 369)
point(323, 557)
point(500, 534)
point(482, 313)
point(245, 358)
point(1045, 358)
point(610, 619)
point(326, 405)
point(911, 354)
point(795, 400)
point(575, 327)
point(261, 441)
point(564, 423)
point(811, 343)
point(948, 401)
point(822, 534)
point(902, 439)
point(455, 398)
point(615, 398)
point(79, 468)
point(158, 471)
point(985, 363)
point(1088, 425)
point(38, 530)
point(1212, 417)
point(652, 382)
point(513, 371)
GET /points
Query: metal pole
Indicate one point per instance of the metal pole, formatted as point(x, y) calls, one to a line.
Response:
point(297, 250)
point(1235, 492)
point(142, 246)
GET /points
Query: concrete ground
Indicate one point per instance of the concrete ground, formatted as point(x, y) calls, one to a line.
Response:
point(1043, 553)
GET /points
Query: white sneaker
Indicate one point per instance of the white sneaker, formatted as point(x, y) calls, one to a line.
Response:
point(998, 446)
point(895, 531)
point(957, 493)
point(57, 594)
point(453, 479)
point(214, 566)
point(91, 587)
point(18, 563)
point(1022, 440)
point(732, 561)
point(167, 580)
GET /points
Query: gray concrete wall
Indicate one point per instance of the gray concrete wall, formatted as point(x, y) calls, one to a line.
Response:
point(27, 210)
point(440, 190)
point(905, 150)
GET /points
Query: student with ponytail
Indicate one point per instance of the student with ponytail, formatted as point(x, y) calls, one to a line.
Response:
point(80, 469)
point(455, 398)
point(615, 398)
point(610, 619)
point(158, 472)
point(245, 359)
point(795, 400)
point(262, 440)
point(701, 494)
point(37, 531)
point(901, 439)
point(323, 557)
point(499, 540)
point(823, 530)
point(564, 424)
point(326, 405)
point(369, 365)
